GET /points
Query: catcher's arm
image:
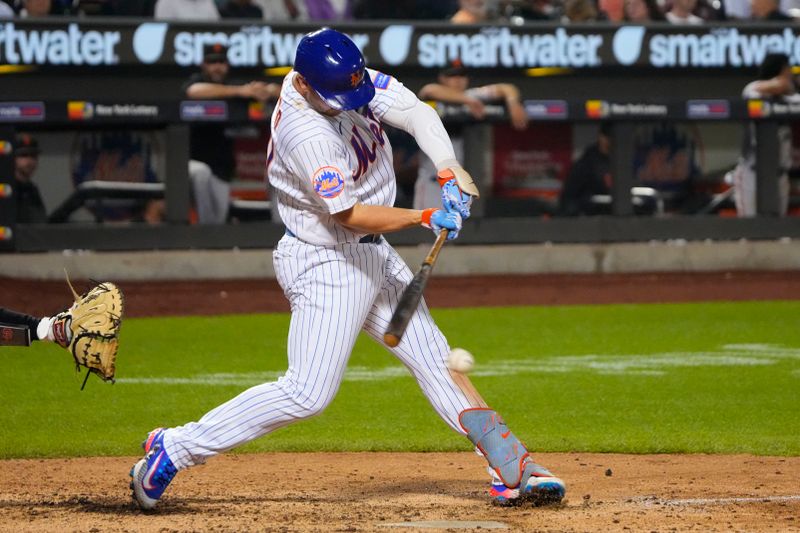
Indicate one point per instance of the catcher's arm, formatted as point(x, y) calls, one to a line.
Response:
point(19, 329)
point(14, 335)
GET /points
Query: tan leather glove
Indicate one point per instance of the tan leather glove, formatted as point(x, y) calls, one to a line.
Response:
point(90, 329)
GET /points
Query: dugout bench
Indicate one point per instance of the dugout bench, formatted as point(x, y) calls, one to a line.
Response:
point(97, 194)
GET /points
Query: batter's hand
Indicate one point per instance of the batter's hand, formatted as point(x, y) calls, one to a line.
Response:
point(438, 219)
point(454, 199)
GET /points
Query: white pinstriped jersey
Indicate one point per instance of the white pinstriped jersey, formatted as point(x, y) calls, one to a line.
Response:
point(320, 165)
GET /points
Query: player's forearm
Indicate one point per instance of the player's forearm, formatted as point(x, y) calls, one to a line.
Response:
point(775, 87)
point(442, 93)
point(508, 92)
point(363, 218)
point(203, 90)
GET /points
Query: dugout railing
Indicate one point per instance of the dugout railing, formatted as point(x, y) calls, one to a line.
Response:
point(621, 226)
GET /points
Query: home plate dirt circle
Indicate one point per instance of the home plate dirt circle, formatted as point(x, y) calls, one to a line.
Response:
point(291, 492)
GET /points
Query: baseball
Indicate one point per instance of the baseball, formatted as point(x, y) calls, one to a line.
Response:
point(460, 360)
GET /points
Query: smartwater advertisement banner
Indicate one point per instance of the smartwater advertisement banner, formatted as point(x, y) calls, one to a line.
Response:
point(98, 44)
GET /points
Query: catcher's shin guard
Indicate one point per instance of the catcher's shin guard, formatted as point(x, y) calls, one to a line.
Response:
point(504, 451)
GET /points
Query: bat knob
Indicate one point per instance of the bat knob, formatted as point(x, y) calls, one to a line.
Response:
point(391, 339)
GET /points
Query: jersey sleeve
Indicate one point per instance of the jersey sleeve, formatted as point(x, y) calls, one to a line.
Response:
point(388, 90)
point(324, 173)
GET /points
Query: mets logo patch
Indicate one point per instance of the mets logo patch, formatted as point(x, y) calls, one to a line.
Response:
point(328, 182)
point(382, 81)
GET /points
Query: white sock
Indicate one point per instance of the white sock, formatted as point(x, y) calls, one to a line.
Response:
point(45, 329)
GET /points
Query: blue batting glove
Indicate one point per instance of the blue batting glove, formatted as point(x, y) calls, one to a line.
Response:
point(438, 219)
point(456, 200)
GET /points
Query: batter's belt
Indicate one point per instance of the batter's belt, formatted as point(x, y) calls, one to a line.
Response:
point(372, 238)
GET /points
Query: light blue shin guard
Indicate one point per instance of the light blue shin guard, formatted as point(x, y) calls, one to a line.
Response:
point(504, 451)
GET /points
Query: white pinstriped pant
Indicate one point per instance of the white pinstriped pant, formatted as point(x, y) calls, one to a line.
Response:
point(334, 292)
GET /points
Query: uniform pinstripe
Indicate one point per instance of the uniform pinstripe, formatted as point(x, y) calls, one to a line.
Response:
point(336, 286)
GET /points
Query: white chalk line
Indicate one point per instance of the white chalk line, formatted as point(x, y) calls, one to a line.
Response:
point(653, 364)
point(448, 524)
point(651, 502)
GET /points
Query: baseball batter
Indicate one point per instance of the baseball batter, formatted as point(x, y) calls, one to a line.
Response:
point(330, 165)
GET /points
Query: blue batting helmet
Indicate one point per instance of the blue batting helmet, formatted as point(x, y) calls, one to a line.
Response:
point(334, 67)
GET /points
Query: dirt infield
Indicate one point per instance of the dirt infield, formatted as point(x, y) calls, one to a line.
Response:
point(370, 491)
point(252, 296)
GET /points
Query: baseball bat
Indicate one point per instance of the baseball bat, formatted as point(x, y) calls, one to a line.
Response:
point(411, 297)
point(15, 336)
point(469, 390)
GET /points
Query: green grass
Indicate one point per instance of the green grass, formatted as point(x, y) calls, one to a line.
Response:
point(636, 395)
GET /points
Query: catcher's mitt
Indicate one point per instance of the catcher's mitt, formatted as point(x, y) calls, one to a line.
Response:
point(90, 329)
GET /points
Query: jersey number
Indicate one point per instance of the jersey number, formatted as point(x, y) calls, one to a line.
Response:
point(366, 154)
